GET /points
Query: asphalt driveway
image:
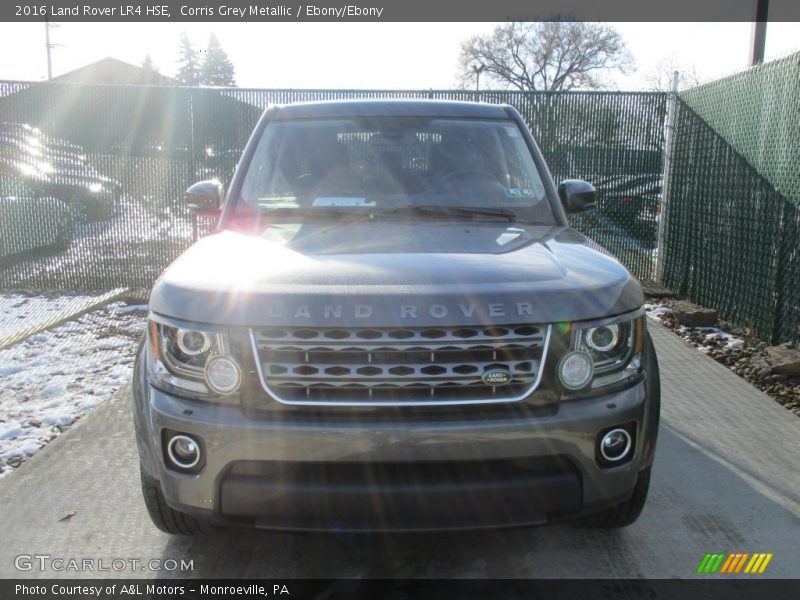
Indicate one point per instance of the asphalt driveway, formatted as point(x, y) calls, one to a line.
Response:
point(726, 479)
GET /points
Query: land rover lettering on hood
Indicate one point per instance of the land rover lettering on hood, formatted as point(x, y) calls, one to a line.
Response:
point(393, 327)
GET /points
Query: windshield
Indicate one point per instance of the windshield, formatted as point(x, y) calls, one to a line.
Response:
point(390, 165)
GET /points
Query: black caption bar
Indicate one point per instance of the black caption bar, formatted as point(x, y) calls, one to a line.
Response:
point(545, 589)
point(394, 10)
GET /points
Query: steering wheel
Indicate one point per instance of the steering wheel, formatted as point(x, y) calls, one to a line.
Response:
point(304, 180)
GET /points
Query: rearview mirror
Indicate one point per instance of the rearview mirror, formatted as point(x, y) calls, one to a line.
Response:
point(577, 195)
point(204, 196)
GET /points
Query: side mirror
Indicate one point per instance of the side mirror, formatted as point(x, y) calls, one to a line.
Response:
point(577, 195)
point(204, 196)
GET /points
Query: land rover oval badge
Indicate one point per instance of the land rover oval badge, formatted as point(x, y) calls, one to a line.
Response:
point(496, 377)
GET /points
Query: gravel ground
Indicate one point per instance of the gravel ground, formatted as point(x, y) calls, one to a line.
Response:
point(734, 348)
point(54, 377)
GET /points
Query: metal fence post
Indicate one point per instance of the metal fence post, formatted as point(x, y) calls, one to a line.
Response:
point(663, 200)
point(192, 158)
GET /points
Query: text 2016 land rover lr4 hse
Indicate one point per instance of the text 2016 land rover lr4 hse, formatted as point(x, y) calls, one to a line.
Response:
point(394, 328)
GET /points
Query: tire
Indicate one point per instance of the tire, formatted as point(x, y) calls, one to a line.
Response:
point(627, 512)
point(624, 513)
point(166, 518)
point(653, 391)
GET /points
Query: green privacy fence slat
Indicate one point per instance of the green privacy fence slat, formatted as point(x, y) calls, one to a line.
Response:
point(787, 318)
point(731, 239)
point(155, 141)
point(758, 113)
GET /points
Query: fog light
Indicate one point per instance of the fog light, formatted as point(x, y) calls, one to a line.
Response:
point(615, 445)
point(575, 370)
point(223, 374)
point(183, 451)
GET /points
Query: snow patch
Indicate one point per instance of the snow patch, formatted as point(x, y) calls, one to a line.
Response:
point(656, 311)
point(52, 389)
point(53, 378)
point(10, 433)
point(714, 333)
point(123, 310)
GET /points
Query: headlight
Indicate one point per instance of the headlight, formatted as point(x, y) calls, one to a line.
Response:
point(193, 342)
point(192, 362)
point(614, 349)
point(575, 370)
point(223, 374)
point(603, 338)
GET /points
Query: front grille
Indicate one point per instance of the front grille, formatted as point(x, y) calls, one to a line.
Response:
point(398, 366)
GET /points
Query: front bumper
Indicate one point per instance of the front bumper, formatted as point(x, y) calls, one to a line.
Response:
point(373, 472)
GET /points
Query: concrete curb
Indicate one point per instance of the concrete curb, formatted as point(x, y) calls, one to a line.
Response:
point(61, 318)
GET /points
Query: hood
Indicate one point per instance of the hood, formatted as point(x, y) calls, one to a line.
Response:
point(389, 274)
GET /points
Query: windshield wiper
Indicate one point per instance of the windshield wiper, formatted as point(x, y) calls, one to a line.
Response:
point(362, 213)
point(322, 212)
point(451, 211)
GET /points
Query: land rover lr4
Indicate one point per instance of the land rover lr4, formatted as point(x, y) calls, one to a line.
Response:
point(393, 327)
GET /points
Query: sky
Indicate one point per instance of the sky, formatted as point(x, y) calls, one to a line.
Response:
point(365, 55)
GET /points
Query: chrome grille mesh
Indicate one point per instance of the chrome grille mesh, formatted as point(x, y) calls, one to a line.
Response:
point(402, 366)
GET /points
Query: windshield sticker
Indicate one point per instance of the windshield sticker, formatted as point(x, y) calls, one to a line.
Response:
point(517, 193)
point(512, 131)
point(342, 201)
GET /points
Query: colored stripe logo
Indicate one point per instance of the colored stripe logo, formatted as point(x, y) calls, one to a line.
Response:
point(732, 563)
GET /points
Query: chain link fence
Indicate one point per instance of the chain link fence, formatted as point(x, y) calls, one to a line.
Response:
point(733, 220)
point(757, 112)
point(113, 162)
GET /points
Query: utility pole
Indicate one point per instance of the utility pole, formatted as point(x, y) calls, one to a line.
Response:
point(49, 46)
point(758, 33)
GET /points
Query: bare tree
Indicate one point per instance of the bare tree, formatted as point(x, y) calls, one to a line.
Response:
point(548, 55)
point(659, 79)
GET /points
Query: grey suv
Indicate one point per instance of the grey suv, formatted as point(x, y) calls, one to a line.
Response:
point(394, 328)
